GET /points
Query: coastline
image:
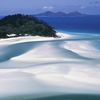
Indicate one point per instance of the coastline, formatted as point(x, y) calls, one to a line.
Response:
point(35, 38)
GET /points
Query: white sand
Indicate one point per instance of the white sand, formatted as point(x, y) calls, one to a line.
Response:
point(48, 66)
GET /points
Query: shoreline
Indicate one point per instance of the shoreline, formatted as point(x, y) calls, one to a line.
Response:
point(35, 38)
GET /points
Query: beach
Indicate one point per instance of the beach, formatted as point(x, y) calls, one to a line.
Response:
point(35, 66)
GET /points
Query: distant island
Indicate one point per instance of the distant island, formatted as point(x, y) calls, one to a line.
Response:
point(24, 25)
point(60, 14)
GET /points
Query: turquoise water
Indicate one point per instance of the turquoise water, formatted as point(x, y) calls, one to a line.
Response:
point(85, 28)
point(61, 97)
point(73, 97)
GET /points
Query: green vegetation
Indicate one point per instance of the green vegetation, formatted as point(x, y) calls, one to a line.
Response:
point(21, 25)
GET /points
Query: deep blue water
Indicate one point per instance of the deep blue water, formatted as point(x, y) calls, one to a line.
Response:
point(84, 24)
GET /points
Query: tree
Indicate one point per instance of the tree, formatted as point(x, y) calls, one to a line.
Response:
point(23, 24)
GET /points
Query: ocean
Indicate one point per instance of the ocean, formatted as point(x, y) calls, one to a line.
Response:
point(87, 25)
point(83, 24)
point(61, 97)
point(73, 97)
point(79, 24)
point(42, 66)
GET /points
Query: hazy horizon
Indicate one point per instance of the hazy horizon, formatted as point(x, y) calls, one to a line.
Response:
point(47, 11)
point(37, 6)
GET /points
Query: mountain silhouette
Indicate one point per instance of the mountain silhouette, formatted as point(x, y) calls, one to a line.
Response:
point(59, 14)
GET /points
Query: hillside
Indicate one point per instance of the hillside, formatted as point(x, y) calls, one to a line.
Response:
point(22, 25)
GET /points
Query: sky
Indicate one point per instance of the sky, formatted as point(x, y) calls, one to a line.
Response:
point(38, 6)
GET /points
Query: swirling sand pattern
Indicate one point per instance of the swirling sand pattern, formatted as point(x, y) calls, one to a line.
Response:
point(49, 68)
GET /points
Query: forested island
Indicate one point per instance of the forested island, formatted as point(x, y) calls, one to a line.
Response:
point(24, 25)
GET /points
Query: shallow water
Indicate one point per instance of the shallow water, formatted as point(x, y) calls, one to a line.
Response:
point(60, 97)
point(42, 70)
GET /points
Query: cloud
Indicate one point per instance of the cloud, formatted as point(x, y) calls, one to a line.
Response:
point(48, 7)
